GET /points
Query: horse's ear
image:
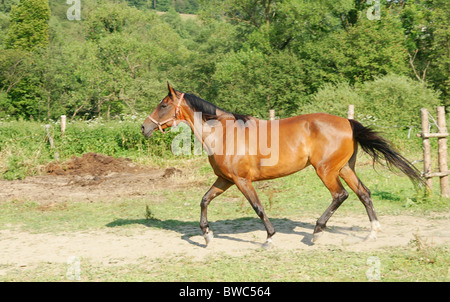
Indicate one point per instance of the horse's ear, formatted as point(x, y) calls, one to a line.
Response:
point(171, 91)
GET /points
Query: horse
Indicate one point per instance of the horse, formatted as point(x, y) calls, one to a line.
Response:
point(327, 142)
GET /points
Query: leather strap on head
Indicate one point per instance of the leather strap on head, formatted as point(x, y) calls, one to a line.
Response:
point(177, 116)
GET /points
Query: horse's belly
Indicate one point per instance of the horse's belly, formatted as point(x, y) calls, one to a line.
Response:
point(255, 168)
point(284, 167)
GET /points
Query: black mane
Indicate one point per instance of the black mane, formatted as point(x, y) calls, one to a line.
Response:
point(199, 105)
point(207, 109)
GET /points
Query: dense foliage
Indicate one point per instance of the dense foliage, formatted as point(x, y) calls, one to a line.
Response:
point(247, 56)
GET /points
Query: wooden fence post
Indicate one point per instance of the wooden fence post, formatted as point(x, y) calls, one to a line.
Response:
point(426, 148)
point(272, 114)
point(63, 124)
point(49, 136)
point(442, 151)
point(50, 140)
point(351, 112)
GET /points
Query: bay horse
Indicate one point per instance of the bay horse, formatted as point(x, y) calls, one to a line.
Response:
point(329, 143)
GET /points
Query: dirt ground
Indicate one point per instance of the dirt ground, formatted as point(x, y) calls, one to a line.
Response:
point(94, 177)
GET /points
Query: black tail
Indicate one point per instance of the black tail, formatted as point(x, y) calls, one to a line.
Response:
point(376, 146)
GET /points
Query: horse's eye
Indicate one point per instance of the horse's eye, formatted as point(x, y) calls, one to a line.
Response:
point(164, 105)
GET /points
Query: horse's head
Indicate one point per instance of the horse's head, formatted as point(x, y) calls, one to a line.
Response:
point(165, 115)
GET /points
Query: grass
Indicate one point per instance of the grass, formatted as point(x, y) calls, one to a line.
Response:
point(301, 194)
point(24, 150)
point(395, 264)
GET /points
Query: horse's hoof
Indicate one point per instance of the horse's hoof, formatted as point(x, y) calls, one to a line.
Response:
point(316, 236)
point(208, 237)
point(268, 244)
point(374, 231)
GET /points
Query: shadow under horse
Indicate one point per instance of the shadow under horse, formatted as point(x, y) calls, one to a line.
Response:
point(224, 228)
point(239, 153)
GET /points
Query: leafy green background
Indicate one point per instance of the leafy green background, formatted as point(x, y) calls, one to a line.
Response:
point(243, 55)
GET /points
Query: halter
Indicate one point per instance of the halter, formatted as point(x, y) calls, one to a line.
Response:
point(173, 118)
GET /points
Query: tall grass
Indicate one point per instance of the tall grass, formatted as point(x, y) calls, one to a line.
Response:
point(25, 148)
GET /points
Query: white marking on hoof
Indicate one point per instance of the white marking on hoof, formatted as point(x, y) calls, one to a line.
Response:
point(375, 226)
point(373, 233)
point(268, 244)
point(208, 237)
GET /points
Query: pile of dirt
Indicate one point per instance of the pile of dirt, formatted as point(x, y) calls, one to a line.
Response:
point(92, 177)
point(94, 164)
point(171, 171)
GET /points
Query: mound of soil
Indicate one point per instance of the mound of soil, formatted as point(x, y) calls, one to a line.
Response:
point(93, 177)
point(93, 164)
point(171, 171)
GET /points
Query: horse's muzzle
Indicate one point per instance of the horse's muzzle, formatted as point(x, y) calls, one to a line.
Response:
point(147, 130)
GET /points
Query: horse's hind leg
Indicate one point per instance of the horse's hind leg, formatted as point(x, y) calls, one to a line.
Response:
point(348, 174)
point(339, 194)
point(220, 186)
point(246, 187)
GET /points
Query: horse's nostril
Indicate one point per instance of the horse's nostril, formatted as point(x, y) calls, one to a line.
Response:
point(142, 129)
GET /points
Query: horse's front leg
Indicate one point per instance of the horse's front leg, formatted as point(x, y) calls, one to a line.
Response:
point(246, 187)
point(220, 186)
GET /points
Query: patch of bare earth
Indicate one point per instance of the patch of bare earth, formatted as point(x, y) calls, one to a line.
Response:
point(95, 177)
point(91, 177)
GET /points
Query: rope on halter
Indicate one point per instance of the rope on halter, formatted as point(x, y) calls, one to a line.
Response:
point(177, 116)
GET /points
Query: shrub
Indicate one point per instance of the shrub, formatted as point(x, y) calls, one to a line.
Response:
point(390, 104)
point(386, 102)
point(333, 99)
point(397, 100)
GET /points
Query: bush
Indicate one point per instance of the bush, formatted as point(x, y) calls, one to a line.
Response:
point(332, 99)
point(390, 104)
point(386, 102)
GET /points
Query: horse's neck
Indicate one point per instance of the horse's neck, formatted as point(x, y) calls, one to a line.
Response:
point(197, 124)
point(202, 129)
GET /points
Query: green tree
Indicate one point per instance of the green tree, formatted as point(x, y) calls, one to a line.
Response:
point(6, 5)
point(162, 5)
point(107, 18)
point(439, 74)
point(251, 82)
point(28, 29)
point(15, 65)
point(426, 25)
point(4, 23)
point(299, 21)
point(358, 52)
